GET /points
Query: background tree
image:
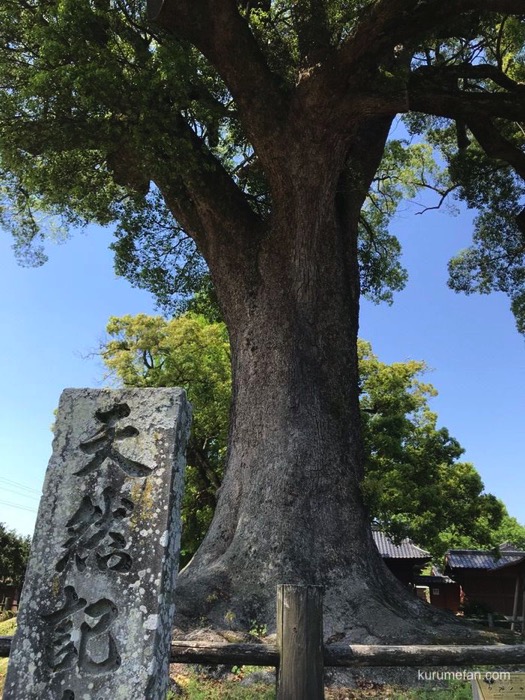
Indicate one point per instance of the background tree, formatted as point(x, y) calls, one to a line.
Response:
point(194, 354)
point(14, 554)
point(510, 530)
point(259, 133)
point(414, 483)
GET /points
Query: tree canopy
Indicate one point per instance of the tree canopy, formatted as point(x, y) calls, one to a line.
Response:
point(106, 117)
point(414, 482)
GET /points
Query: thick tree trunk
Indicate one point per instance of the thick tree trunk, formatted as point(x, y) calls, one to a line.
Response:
point(290, 509)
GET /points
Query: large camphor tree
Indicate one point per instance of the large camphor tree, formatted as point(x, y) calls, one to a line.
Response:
point(257, 132)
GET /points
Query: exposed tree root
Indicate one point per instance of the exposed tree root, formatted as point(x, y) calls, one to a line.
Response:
point(354, 612)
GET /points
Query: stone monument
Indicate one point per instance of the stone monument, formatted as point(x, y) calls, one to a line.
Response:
point(97, 606)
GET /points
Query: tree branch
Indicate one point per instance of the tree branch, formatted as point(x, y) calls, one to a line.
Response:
point(497, 146)
point(431, 98)
point(218, 31)
point(431, 91)
point(389, 23)
point(197, 458)
point(379, 38)
point(205, 198)
point(443, 195)
point(365, 155)
point(351, 80)
point(480, 71)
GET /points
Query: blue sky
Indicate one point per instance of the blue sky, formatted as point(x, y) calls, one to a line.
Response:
point(54, 316)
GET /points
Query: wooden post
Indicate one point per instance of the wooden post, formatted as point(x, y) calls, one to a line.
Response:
point(515, 607)
point(300, 642)
point(523, 607)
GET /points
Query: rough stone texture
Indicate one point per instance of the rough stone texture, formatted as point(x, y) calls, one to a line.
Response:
point(97, 606)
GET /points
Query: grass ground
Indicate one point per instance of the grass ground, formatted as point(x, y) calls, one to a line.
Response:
point(194, 686)
point(3, 671)
point(7, 629)
point(224, 690)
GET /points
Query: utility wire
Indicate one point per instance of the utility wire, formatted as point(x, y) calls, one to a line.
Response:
point(18, 506)
point(18, 492)
point(18, 485)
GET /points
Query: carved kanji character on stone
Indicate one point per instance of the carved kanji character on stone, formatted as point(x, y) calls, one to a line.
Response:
point(61, 651)
point(101, 444)
point(105, 611)
point(92, 528)
point(69, 642)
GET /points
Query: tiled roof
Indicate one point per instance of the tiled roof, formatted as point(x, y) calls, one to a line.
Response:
point(507, 547)
point(514, 562)
point(480, 559)
point(406, 549)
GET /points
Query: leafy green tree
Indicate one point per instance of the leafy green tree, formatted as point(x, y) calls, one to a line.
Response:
point(254, 134)
point(414, 484)
point(188, 352)
point(510, 530)
point(14, 555)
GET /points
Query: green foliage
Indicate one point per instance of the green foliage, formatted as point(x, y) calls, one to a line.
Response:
point(257, 629)
point(3, 673)
point(204, 302)
point(14, 554)
point(195, 687)
point(455, 690)
point(404, 170)
point(154, 252)
point(88, 95)
point(7, 623)
point(415, 484)
point(494, 262)
point(510, 530)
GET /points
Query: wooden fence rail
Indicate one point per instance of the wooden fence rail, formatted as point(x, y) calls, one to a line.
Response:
point(354, 656)
point(300, 655)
